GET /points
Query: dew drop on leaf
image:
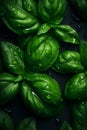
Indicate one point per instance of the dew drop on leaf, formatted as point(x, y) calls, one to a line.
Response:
point(15, 53)
point(57, 120)
point(40, 64)
point(48, 96)
point(14, 62)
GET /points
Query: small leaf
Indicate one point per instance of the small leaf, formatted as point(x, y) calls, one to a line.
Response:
point(27, 124)
point(44, 28)
point(67, 34)
point(57, 21)
point(65, 126)
point(83, 52)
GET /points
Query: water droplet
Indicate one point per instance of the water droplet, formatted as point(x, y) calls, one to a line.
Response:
point(82, 103)
point(40, 65)
point(15, 53)
point(74, 40)
point(82, 77)
point(24, 3)
point(47, 51)
point(33, 93)
point(57, 120)
point(46, 86)
point(14, 62)
point(48, 97)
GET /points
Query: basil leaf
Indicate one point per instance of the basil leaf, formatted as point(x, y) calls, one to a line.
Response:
point(9, 87)
point(13, 57)
point(65, 126)
point(27, 124)
point(19, 17)
point(79, 115)
point(67, 34)
point(83, 52)
point(76, 86)
point(46, 88)
point(57, 21)
point(33, 101)
point(52, 10)
point(44, 28)
point(5, 121)
point(68, 62)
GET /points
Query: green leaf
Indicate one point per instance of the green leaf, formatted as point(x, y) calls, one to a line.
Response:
point(9, 87)
point(13, 57)
point(68, 62)
point(46, 87)
point(67, 34)
point(56, 22)
point(79, 115)
point(36, 105)
point(76, 86)
point(83, 52)
point(27, 124)
point(41, 52)
point(52, 10)
point(20, 21)
point(6, 122)
point(44, 28)
point(65, 126)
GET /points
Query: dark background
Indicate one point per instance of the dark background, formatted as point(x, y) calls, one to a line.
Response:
point(16, 108)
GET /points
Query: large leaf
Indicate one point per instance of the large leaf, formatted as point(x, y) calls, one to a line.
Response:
point(17, 16)
point(42, 95)
point(45, 87)
point(79, 115)
point(41, 52)
point(67, 34)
